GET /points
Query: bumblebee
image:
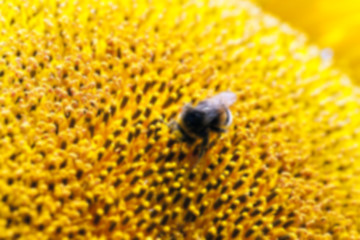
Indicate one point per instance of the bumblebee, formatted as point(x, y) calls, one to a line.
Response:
point(210, 115)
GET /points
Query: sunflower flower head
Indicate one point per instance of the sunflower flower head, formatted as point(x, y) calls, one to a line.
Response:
point(87, 89)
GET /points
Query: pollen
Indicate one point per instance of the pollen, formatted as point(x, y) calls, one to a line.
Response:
point(87, 94)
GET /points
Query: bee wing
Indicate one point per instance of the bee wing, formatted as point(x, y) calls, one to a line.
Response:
point(224, 98)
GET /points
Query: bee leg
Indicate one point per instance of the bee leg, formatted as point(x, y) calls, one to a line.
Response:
point(204, 144)
point(217, 129)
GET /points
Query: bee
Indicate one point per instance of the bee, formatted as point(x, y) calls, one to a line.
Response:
point(209, 115)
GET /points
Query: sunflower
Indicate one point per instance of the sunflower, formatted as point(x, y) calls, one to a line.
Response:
point(86, 94)
point(333, 25)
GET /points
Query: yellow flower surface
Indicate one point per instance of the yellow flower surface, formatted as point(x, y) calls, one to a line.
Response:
point(87, 89)
point(329, 23)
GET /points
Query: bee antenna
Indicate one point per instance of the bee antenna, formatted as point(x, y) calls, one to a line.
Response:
point(164, 122)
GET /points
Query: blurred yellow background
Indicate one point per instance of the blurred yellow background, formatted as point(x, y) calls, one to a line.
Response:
point(329, 24)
